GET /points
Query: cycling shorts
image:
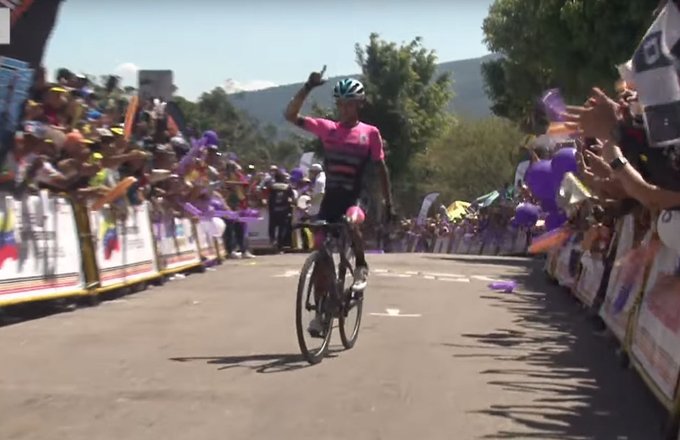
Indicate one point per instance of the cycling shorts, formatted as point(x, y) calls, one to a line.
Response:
point(335, 205)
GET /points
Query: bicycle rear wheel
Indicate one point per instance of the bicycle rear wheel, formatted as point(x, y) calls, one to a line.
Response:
point(352, 304)
point(306, 305)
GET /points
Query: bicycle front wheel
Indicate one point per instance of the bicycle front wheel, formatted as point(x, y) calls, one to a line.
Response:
point(308, 306)
point(352, 304)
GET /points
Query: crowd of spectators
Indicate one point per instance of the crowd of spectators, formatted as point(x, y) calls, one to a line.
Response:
point(82, 141)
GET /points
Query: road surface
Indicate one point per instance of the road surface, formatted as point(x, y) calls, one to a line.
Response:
point(215, 356)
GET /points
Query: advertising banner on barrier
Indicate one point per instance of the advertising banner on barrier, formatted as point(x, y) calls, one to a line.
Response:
point(551, 262)
point(39, 252)
point(441, 244)
point(258, 232)
point(476, 243)
point(177, 245)
point(592, 270)
point(618, 302)
point(465, 243)
point(566, 266)
point(457, 240)
point(124, 247)
point(507, 242)
point(206, 242)
point(656, 335)
point(489, 244)
point(521, 243)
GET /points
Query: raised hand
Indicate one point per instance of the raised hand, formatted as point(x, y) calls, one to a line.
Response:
point(316, 78)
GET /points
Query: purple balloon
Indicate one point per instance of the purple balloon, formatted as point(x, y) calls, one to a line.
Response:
point(554, 220)
point(503, 286)
point(191, 209)
point(554, 106)
point(211, 138)
point(549, 204)
point(539, 179)
point(526, 214)
point(216, 203)
point(564, 161)
point(250, 212)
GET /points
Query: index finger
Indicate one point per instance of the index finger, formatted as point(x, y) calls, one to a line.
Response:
point(323, 70)
point(577, 109)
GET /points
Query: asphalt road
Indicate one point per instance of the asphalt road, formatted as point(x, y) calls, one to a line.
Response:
point(215, 356)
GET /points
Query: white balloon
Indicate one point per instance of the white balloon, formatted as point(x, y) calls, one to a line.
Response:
point(668, 227)
point(218, 227)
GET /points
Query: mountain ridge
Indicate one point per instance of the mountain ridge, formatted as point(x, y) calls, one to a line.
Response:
point(469, 100)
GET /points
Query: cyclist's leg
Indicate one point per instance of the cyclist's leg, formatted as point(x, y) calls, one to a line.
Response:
point(361, 269)
point(322, 269)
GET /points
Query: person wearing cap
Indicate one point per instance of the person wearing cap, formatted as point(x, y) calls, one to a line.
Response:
point(318, 178)
point(30, 162)
point(250, 172)
point(55, 104)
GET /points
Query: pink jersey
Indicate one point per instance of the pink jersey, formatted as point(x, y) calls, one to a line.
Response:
point(347, 151)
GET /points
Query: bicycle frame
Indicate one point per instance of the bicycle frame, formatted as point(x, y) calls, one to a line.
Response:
point(342, 242)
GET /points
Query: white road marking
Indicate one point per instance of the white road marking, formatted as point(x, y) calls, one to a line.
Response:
point(485, 278)
point(395, 313)
point(288, 274)
point(455, 280)
point(394, 275)
point(443, 275)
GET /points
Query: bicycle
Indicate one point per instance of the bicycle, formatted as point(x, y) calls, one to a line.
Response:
point(340, 300)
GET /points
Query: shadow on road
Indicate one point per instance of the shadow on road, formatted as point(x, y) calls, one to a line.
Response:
point(260, 363)
point(575, 387)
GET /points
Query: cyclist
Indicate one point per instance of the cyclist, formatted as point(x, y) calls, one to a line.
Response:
point(349, 145)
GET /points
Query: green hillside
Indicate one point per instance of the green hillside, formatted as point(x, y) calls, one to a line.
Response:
point(470, 100)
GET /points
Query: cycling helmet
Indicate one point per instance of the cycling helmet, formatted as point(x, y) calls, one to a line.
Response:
point(349, 88)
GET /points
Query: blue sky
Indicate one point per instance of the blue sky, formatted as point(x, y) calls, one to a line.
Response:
point(250, 44)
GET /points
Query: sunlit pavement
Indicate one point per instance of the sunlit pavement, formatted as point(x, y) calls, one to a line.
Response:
point(215, 356)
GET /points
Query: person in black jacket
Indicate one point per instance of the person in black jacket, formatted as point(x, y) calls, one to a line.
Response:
point(281, 198)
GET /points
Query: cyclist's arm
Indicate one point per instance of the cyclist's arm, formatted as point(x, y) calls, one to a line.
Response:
point(292, 113)
point(378, 156)
point(385, 182)
point(317, 126)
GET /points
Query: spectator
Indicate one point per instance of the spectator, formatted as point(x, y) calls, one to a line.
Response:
point(281, 198)
point(235, 232)
point(318, 180)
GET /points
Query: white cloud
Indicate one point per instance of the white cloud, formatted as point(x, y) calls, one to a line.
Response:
point(233, 86)
point(127, 72)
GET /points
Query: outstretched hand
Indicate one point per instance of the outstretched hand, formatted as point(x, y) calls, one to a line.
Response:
point(316, 78)
point(597, 118)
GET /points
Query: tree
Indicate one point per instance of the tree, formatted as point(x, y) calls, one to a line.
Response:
point(405, 99)
point(239, 133)
point(570, 44)
point(470, 159)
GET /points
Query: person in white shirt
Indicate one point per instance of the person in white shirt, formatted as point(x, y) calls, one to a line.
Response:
point(318, 178)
